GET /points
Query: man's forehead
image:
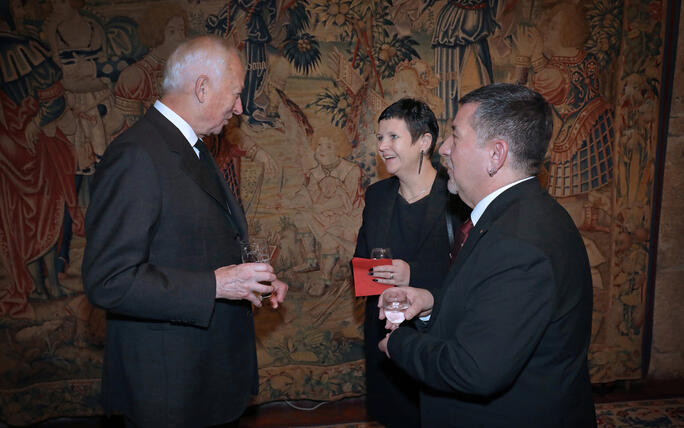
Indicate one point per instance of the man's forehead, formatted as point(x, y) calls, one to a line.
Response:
point(465, 112)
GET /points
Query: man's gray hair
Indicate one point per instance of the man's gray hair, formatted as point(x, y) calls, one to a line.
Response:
point(516, 114)
point(202, 55)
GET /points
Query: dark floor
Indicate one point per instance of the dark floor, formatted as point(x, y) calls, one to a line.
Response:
point(351, 410)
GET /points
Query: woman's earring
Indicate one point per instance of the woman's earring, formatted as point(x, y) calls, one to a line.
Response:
point(420, 162)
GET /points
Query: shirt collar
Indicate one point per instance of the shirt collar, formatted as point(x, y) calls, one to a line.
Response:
point(484, 203)
point(177, 121)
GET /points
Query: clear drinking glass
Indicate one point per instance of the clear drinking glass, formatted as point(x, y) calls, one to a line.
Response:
point(381, 253)
point(394, 303)
point(257, 250)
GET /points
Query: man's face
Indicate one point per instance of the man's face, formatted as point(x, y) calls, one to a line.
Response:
point(466, 160)
point(224, 98)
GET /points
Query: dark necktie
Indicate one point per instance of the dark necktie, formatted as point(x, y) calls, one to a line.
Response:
point(203, 151)
point(210, 175)
point(211, 178)
point(464, 230)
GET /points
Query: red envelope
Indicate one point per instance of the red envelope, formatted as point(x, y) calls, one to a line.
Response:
point(363, 283)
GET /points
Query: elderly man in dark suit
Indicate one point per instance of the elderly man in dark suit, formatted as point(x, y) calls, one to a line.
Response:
point(506, 341)
point(163, 256)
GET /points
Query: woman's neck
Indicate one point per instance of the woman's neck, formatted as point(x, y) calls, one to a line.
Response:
point(416, 186)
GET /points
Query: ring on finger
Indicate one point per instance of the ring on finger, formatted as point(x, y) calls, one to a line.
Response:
point(391, 275)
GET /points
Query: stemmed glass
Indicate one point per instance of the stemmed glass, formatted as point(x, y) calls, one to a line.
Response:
point(257, 250)
point(381, 253)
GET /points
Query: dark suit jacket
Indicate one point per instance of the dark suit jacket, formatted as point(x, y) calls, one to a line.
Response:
point(174, 356)
point(392, 397)
point(506, 345)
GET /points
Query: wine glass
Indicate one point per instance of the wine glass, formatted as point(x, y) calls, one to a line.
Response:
point(394, 303)
point(381, 253)
point(257, 250)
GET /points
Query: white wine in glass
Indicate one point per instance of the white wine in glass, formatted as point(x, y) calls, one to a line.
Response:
point(394, 303)
point(257, 250)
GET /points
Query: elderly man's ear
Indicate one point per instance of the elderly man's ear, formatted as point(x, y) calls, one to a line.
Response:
point(202, 88)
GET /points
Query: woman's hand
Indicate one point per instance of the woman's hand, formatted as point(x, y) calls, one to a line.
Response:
point(398, 273)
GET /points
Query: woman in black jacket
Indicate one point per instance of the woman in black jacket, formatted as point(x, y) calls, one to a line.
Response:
point(408, 214)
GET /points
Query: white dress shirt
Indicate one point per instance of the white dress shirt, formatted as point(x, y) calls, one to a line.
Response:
point(179, 123)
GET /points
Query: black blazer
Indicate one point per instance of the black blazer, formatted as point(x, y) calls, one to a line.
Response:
point(431, 261)
point(391, 395)
point(506, 345)
point(174, 355)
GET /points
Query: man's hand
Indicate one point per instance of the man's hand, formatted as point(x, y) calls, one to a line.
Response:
point(420, 303)
point(279, 292)
point(383, 345)
point(238, 282)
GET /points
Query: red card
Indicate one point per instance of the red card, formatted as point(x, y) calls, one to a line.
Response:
point(363, 283)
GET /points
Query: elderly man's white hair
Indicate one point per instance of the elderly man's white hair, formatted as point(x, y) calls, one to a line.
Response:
point(207, 55)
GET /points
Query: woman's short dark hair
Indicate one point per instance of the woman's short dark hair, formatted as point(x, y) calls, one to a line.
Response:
point(418, 117)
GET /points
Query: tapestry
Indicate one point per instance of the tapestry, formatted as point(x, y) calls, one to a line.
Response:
point(77, 73)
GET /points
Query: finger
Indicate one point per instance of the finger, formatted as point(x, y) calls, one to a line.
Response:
point(381, 315)
point(263, 277)
point(382, 345)
point(390, 325)
point(259, 267)
point(411, 312)
point(258, 286)
point(280, 290)
point(254, 298)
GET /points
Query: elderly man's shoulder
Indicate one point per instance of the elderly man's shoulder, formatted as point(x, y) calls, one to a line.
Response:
point(143, 132)
point(142, 140)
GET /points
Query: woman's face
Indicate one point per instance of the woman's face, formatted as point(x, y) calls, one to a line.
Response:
point(175, 31)
point(396, 147)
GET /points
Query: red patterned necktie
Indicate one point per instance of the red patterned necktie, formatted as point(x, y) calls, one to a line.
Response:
point(464, 230)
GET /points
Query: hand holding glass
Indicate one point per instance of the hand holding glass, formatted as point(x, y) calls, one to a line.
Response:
point(257, 250)
point(394, 303)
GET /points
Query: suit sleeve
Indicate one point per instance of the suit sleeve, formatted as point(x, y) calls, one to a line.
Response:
point(506, 310)
point(121, 220)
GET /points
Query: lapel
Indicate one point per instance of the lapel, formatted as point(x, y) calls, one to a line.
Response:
point(191, 165)
point(435, 214)
point(491, 214)
point(236, 214)
point(384, 216)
